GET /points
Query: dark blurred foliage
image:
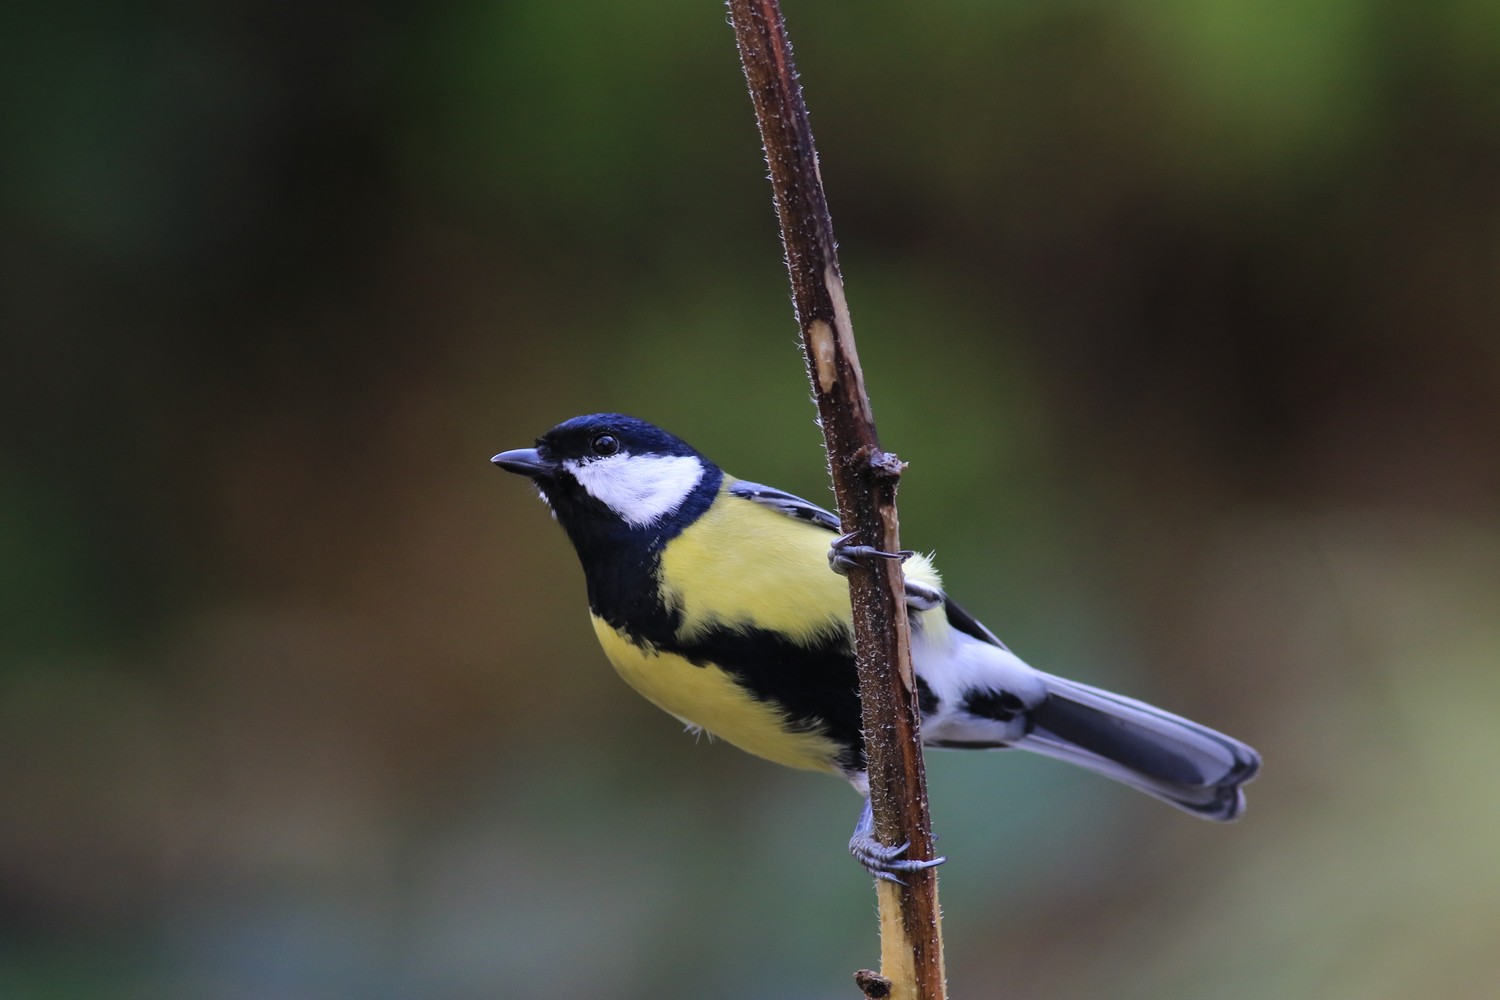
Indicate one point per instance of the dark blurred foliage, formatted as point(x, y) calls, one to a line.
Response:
point(1185, 315)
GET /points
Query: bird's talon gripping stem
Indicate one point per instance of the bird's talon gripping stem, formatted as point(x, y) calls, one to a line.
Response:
point(843, 554)
point(879, 860)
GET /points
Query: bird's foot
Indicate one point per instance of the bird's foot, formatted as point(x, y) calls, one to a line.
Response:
point(843, 555)
point(879, 860)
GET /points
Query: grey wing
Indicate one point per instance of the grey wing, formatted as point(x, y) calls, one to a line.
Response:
point(786, 503)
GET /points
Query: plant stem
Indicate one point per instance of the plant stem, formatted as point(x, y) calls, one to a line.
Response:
point(864, 484)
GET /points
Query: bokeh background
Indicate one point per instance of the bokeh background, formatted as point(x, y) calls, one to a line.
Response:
point(1186, 314)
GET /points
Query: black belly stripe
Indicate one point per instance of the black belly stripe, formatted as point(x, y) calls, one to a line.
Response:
point(816, 686)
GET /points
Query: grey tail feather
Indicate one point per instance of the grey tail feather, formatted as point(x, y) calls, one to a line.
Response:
point(1190, 766)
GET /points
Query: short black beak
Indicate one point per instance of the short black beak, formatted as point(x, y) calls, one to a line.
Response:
point(525, 462)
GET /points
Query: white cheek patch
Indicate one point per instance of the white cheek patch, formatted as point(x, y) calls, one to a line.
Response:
point(642, 489)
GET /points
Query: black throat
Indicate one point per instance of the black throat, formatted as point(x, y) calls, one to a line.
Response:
point(622, 562)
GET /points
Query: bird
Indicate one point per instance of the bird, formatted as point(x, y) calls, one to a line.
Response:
point(721, 601)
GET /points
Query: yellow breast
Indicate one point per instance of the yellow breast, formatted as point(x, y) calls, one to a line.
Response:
point(744, 563)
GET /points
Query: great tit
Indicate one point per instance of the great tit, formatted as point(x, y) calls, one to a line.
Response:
point(714, 598)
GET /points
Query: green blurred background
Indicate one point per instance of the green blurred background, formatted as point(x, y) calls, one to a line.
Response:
point(1184, 312)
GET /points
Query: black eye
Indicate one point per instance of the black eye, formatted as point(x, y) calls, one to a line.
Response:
point(605, 444)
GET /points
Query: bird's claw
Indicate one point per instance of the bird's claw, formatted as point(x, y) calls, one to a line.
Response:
point(885, 862)
point(879, 860)
point(843, 554)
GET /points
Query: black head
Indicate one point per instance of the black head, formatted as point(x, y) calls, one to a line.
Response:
point(607, 474)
